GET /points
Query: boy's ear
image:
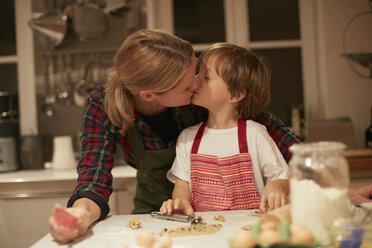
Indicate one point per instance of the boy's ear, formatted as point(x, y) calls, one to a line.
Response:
point(238, 97)
point(146, 95)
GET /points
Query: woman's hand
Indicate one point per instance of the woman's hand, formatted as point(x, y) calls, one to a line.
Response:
point(360, 195)
point(65, 234)
point(275, 195)
point(177, 206)
point(86, 212)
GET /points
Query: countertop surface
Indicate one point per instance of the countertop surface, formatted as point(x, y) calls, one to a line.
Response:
point(57, 175)
point(113, 231)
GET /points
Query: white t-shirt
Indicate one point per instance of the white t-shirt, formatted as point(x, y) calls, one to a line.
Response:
point(267, 161)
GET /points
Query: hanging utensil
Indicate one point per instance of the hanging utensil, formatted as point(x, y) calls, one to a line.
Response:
point(48, 106)
point(63, 89)
point(52, 25)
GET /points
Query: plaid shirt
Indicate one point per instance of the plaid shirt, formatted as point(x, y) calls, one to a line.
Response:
point(99, 138)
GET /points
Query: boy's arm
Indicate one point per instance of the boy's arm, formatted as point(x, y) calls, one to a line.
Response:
point(275, 194)
point(180, 202)
point(181, 190)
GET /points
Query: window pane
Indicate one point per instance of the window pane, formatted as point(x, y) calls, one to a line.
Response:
point(199, 21)
point(273, 20)
point(286, 81)
point(7, 28)
point(8, 80)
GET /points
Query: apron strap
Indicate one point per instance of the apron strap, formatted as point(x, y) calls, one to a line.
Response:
point(242, 136)
point(136, 143)
point(197, 140)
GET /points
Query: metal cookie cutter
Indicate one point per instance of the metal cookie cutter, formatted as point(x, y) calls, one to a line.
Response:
point(177, 217)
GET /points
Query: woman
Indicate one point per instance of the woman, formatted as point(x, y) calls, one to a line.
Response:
point(140, 114)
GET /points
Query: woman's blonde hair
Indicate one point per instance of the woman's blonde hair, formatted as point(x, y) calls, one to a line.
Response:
point(244, 72)
point(150, 60)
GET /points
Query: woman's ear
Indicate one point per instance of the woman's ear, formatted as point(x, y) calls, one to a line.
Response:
point(238, 97)
point(146, 95)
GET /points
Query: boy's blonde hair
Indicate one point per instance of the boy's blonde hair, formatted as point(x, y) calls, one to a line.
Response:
point(150, 60)
point(244, 72)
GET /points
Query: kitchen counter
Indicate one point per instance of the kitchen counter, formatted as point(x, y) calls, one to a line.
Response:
point(51, 174)
point(113, 232)
point(28, 197)
point(63, 181)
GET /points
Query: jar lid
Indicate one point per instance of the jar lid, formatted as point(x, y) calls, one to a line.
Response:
point(322, 146)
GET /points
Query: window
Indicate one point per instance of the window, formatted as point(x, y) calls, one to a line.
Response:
point(281, 31)
point(199, 21)
point(276, 21)
point(8, 61)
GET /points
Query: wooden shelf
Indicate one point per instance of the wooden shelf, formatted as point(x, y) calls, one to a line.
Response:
point(359, 159)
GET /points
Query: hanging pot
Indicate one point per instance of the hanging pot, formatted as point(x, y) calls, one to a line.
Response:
point(52, 25)
point(89, 21)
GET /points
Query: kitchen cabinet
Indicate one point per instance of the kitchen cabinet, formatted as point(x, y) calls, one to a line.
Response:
point(27, 199)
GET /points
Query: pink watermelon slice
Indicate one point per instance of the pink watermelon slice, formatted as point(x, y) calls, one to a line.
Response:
point(64, 218)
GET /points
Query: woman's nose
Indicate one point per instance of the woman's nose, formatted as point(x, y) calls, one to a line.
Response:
point(195, 84)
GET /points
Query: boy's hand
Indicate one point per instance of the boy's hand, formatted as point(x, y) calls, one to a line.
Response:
point(177, 206)
point(275, 195)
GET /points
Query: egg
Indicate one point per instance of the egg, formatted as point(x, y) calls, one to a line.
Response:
point(145, 239)
point(269, 221)
point(164, 242)
point(243, 239)
point(300, 234)
point(269, 237)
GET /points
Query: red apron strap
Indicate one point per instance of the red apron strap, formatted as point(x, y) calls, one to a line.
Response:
point(197, 140)
point(242, 136)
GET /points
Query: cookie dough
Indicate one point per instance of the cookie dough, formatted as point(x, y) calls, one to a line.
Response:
point(134, 223)
point(247, 227)
point(256, 213)
point(219, 218)
point(192, 230)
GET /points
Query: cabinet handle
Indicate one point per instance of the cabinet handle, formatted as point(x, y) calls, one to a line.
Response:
point(34, 195)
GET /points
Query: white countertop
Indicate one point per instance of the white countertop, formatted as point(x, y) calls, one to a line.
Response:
point(56, 175)
point(113, 232)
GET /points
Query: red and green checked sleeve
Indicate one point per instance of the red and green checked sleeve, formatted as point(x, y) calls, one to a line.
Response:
point(98, 140)
point(279, 132)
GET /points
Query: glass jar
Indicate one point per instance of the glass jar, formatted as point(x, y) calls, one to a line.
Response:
point(319, 186)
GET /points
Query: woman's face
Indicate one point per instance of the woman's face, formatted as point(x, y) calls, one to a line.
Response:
point(181, 95)
point(213, 92)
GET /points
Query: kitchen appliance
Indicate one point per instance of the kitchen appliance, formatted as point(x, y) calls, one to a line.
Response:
point(9, 132)
point(63, 153)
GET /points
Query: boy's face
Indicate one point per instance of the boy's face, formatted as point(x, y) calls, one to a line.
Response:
point(213, 93)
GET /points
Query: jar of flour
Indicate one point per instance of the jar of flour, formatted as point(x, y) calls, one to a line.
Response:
point(319, 184)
